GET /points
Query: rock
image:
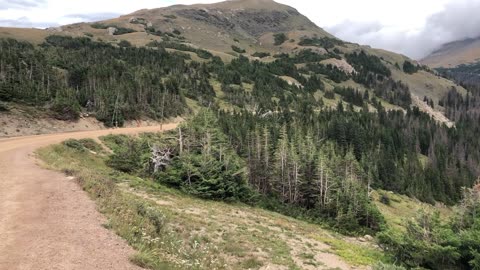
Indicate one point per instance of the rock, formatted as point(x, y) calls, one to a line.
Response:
point(340, 64)
point(368, 238)
point(111, 30)
point(55, 29)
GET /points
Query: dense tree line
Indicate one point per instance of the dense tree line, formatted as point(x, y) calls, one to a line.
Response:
point(324, 42)
point(409, 154)
point(465, 75)
point(113, 83)
point(369, 68)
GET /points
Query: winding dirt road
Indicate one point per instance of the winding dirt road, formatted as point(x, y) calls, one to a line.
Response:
point(46, 220)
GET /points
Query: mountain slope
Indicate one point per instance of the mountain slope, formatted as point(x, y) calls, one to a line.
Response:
point(455, 53)
point(247, 27)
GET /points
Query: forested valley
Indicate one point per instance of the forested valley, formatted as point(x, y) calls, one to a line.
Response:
point(274, 144)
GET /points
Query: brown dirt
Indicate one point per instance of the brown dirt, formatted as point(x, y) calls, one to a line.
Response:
point(46, 220)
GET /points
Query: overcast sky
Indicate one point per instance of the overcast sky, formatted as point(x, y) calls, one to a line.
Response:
point(411, 27)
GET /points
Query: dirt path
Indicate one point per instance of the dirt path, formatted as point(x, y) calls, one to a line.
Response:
point(46, 220)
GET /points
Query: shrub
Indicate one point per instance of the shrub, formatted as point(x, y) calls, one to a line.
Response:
point(385, 199)
point(126, 159)
point(74, 144)
point(122, 30)
point(261, 54)
point(66, 110)
point(329, 95)
point(3, 107)
point(6, 92)
point(153, 31)
point(238, 49)
point(91, 145)
point(409, 68)
point(324, 42)
point(280, 38)
point(204, 54)
point(99, 26)
point(83, 144)
point(124, 44)
point(384, 266)
point(115, 142)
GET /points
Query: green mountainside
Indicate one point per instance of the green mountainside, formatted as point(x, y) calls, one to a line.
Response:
point(279, 114)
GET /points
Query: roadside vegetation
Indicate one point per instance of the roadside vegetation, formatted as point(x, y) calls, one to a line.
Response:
point(173, 230)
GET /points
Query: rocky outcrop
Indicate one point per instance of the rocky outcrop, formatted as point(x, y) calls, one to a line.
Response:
point(252, 22)
point(257, 23)
point(55, 29)
point(111, 31)
point(215, 18)
point(340, 64)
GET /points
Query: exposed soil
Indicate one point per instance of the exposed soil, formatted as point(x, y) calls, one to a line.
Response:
point(46, 220)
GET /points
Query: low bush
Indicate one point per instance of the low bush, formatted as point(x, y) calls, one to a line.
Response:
point(280, 38)
point(74, 144)
point(124, 44)
point(126, 159)
point(83, 144)
point(385, 199)
point(238, 49)
point(91, 145)
point(3, 107)
point(261, 54)
point(66, 110)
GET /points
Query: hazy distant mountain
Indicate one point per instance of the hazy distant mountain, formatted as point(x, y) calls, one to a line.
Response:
point(455, 53)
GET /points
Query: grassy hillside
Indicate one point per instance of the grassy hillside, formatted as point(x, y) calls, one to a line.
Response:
point(199, 234)
point(397, 209)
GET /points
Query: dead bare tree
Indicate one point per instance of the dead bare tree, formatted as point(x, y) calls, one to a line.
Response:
point(160, 158)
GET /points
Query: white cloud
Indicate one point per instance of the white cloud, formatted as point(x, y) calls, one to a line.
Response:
point(456, 20)
point(412, 27)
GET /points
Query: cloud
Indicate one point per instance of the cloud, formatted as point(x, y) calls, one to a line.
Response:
point(21, 4)
point(457, 21)
point(92, 16)
point(26, 23)
point(349, 28)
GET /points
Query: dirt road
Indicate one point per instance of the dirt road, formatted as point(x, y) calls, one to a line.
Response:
point(46, 220)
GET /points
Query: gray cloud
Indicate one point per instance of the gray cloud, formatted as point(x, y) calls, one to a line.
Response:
point(25, 22)
point(459, 20)
point(356, 29)
point(92, 16)
point(21, 4)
